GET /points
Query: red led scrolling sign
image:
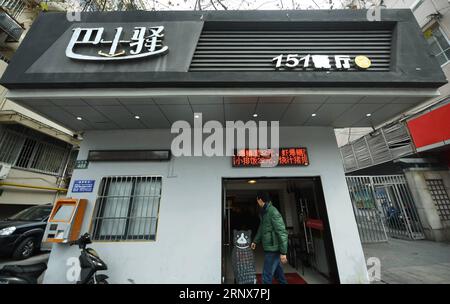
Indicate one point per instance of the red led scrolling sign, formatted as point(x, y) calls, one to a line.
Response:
point(286, 157)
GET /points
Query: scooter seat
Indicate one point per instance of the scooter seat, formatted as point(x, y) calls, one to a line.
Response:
point(34, 270)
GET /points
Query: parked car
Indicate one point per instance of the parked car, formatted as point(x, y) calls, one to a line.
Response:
point(21, 234)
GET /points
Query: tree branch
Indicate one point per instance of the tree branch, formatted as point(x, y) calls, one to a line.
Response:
point(211, 1)
point(316, 4)
point(223, 6)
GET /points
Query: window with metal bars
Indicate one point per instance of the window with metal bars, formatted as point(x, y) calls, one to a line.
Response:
point(387, 143)
point(127, 208)
point(24, 148)
point(439, 44)
point(440, 197)
point(13, 7)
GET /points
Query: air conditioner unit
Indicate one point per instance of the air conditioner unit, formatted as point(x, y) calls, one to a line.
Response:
point(4, 170)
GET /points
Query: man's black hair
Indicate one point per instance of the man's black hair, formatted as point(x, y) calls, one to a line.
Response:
point(264, 195)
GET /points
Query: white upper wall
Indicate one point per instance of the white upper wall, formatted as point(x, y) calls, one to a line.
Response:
point(189, 234)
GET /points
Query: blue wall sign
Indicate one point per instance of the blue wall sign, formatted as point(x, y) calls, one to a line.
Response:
point(83, 186)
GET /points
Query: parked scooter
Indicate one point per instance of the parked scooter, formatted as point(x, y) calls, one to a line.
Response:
point(90, 263)
point(21, 274)
point(395, 219)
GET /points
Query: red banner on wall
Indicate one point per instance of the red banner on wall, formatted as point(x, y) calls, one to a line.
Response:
point(431, 128)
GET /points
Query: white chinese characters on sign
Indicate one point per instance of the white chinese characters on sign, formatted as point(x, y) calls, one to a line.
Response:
point(321, 62)
point(144, 42)
point(341, 62)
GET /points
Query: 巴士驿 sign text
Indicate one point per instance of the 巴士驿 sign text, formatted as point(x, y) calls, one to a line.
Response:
point(144, 42)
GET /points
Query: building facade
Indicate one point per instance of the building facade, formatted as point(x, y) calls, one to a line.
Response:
point(132, 84)
point(34, 151)
point(433, 17)
point(416, 143)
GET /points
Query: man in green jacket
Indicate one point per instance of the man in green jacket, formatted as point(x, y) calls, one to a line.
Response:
point(274, 237)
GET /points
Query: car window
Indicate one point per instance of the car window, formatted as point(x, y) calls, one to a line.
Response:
point(37, 213)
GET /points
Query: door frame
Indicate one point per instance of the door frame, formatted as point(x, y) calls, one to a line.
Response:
point(329, 243)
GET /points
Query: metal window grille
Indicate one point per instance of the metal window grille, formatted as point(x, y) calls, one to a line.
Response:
point(71, 163)
point(14, 7)
point(127, 208)
point(439, 45)
point(29, 150)
point(385, 144)
point(440, 197)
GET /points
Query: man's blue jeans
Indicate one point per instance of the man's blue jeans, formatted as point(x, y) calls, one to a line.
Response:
point(272, 268)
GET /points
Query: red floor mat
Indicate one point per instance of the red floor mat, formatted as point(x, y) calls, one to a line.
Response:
point(292, 278)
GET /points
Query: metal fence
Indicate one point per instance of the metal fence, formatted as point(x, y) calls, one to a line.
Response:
point(384, 208)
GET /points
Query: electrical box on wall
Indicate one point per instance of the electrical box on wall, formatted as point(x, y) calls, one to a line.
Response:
point(65, 220)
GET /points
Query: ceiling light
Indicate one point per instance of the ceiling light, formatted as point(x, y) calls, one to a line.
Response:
point(368, 114)
point(252, 181)
point(255, 115)
point(137, 117)
point(79, 118)
point(313, 114)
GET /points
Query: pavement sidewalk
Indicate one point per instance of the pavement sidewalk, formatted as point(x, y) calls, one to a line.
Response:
point(412, 262)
